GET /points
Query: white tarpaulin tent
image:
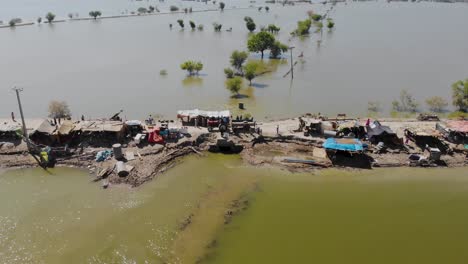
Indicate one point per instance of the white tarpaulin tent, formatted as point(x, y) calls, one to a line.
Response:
point(197, 112)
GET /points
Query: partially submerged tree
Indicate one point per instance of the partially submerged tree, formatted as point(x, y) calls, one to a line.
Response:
point(374, 106)
point(234, 85)
point(436, 104)
point(250, 71)
point(14, 21)
point(407, 103)
point(277, 48)
point(200, 27)
point(181, 23)
point(303, 27)
point(192, 25)
point(39, 20)
point(229, 73)
point(95, 14)
point(221, 5)
point(330, 23)
point(59, 109)
point(173, 8)
point(142, 10)
point(272, 28)
point(316, 17)
point(249, 23)
point(460, 95)
point(192, 67)
point(217, 27)
point(267, 8)
point(237, 59)
point(50, 17)
point(260, 42)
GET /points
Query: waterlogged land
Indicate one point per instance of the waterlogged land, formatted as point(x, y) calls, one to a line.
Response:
point(231, 213)
point(376, 50)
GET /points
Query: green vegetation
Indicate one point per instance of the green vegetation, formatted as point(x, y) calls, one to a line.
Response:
point(229, 73)
point(200, 27)
point(234, 85)
point(273, 29)
point(15, 21)
point(330, 23)
point(222, 5)
point(267, 8)
point(192, 67)
point(303, 27)
point(250, 70)
point(437, 104)
point(163, 72)
point(59, 109)
point(217, 27)
point(192, 25)
point(174, 8)
point(151, 9)
point(457, 115)
point(250, 24)
point(95, 14)
point(50, 17)
point(460, 95)
point(181, 23)
point(39, 20)
point(406, 103)
point(237, 60)
point(374, 107)
point(260, 42)
point(277, 48)
point(142, 10)
point(316, 17)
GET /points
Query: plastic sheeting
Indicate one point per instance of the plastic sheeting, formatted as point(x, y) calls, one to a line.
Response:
point(345, 144)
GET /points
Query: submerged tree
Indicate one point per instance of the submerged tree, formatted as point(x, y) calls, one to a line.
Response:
point(407, 103)
point(95, 14)
point(234, 85)
point(50, 17)
point(174, 8)
point(330, 23)
point(260, 42)
point(267, 8)
point(192, 25)
point(316, 17)
point(460, 95)
point(272, 28)
point(303, 27)
point(217, 27)
point(192, 67)
point(436, 104)
point(277, 48)
point(249, 23)
point(59, 109)
point(237, 59)
point(221, 5)
point(250, 70)
point(181, 23)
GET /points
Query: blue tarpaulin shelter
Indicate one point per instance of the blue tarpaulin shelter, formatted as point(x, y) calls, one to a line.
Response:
point(345, 144)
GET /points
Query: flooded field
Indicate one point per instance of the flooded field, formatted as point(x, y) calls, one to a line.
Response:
point(384, 216)
point(100, 67)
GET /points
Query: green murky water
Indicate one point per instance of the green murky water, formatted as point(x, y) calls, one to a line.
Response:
point(380, 216)
point(383, 216)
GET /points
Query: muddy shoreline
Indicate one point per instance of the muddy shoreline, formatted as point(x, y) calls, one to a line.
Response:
point(269, 149)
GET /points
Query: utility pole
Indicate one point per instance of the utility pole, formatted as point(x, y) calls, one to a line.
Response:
point(292, 63)
point(25, 132)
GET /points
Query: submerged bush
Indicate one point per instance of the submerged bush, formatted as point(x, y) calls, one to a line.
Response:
point(174, 8)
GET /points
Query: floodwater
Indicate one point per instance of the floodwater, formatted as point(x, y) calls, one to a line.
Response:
point(379, 216)
point(100, 67)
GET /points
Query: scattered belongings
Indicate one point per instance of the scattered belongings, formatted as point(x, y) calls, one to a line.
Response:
point(198, 117)
point(427, 139)
point(428, 117)
point(418, 160)
point(117, 149)
point(134, 127)
point(45, 134)
point(103, 155)
point(434, 153)
point(454, 131)
point(225, 144)
point(139, 138)
point(122, 169)
point(129, 156)
point(376, 133)
point(105, 183)
point(10, 129)
point(351, 129)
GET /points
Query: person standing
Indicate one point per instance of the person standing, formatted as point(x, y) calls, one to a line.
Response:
point(13, 116)
point(277, 130)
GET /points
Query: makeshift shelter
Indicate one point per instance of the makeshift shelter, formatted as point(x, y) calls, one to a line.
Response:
point(454, 131)
point(9, 129)
point(102, 132)
point(352, 129)
point(134, 127)
point(200, 117)
point(427, 139)
point(45, 134)
point(344, 144)
point(376, 133)
point(68, 132)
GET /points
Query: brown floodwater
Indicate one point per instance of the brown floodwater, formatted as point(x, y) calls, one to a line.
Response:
point(100, 67)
